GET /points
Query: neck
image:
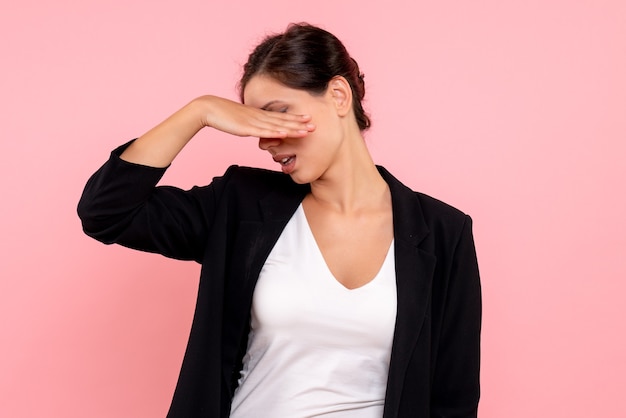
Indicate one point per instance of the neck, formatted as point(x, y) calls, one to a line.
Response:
point(352, 183)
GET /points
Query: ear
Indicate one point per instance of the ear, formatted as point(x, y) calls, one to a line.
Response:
point(341, 94)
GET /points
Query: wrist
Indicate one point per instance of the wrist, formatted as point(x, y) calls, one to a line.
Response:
point(200, 108)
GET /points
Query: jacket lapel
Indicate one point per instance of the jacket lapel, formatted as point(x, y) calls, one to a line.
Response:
point(276, 210)
point(414, 271)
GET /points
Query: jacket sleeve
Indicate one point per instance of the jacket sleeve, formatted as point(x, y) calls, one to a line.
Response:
point(456, 384)
point(122, 204)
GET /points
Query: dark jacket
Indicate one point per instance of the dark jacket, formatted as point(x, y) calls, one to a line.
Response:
point(231, 225)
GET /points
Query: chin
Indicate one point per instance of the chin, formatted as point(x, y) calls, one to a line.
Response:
point(302, 178)
point(299, 179)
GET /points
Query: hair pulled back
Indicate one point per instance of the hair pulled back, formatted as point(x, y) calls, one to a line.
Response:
point(306, 57)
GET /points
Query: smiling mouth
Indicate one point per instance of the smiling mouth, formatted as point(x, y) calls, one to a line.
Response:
point(286, 160)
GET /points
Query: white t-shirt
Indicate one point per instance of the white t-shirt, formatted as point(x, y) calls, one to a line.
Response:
point(315, 347)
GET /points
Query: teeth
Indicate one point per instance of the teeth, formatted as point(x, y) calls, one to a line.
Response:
point(284, 160)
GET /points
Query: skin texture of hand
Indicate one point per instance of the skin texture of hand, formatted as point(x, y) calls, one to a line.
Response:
point(242, 120)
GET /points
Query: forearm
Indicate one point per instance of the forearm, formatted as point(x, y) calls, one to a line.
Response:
point(159, 146)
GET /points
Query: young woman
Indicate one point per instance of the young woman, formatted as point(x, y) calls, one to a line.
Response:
point(329, 289)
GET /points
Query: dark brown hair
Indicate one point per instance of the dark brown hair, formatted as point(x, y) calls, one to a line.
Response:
point(306, 57)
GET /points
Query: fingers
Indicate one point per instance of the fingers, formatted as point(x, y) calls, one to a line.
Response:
point(281, 125)
point(282, 132)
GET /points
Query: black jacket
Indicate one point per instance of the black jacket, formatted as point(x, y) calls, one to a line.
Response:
point(231, 225)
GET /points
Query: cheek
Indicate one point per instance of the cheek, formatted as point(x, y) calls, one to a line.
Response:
point(324, 126)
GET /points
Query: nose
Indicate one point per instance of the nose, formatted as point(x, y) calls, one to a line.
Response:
point(267, 143)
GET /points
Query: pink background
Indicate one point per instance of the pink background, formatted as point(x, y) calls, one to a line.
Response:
point(514, 111)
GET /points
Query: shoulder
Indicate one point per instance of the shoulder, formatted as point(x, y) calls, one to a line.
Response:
point(419, 215)
point(256, 182)
point(445, 222)
point(251, 176)
point(436, 209)
point(430, 207)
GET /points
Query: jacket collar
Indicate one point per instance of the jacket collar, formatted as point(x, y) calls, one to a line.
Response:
point(408, 218)
point(280, 205)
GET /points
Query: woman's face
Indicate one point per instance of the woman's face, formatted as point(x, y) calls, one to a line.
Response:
point(304, 159)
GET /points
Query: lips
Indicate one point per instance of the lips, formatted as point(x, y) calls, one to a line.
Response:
point(287, 162)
